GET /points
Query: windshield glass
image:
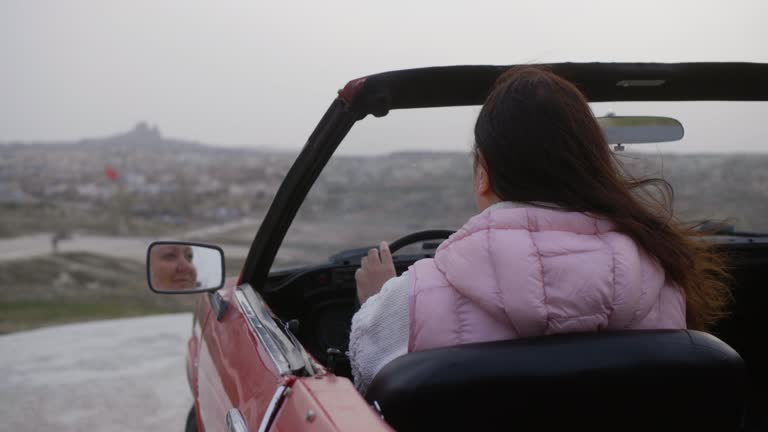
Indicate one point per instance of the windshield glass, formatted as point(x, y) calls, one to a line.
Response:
point(412, 170)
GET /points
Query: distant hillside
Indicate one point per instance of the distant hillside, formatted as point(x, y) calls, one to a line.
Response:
point(163, 185)
point(142, 134)
point(425, 187)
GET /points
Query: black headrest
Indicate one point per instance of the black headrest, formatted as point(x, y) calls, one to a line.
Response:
point(627, 380)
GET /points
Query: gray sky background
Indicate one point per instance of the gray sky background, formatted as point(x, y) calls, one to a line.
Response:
point(261, 73)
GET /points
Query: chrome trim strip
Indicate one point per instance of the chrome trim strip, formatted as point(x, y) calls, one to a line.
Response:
point(235, 421)
point(287, 357)
point(256, 324)
point(269, 415)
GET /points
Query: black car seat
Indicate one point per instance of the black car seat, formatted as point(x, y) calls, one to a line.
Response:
point(627, 380)
point(745, 326)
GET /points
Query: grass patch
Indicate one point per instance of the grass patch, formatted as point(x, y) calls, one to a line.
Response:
point(73, 287)
point(26, 315)
point(16, 220)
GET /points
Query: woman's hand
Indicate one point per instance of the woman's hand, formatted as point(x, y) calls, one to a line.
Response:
point(375, 269)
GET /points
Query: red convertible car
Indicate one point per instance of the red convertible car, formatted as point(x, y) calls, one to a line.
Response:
point(268, 346)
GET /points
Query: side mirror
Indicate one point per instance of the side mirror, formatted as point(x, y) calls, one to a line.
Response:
point(175, 267)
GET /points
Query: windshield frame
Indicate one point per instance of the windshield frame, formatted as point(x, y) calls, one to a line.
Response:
point(469, 85)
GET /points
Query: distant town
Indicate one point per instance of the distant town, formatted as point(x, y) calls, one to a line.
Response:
point(133, 177)
point(140, 182)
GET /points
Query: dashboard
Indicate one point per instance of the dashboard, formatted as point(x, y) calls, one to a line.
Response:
point(317, 304)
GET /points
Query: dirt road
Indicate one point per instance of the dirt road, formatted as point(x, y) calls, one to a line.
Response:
point(113, 376)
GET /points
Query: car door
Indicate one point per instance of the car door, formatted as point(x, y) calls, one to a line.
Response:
point(237, 375)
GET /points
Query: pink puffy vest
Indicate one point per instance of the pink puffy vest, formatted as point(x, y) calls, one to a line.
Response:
point(519, 272)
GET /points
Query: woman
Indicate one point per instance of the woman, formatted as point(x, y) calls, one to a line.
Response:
point(172, 268)
point(563, 242)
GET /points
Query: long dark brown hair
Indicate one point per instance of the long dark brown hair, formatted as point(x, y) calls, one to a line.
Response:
point(539, 141)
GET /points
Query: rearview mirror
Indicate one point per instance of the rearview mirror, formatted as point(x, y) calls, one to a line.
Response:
point(184, 267)
point(638, 130)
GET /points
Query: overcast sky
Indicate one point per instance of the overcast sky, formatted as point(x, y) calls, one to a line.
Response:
point(261, 73)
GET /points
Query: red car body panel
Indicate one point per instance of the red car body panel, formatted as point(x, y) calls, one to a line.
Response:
point(235, 371)
point(343, 404)
point(199, 317)
point(326, 403)
point(230, 369)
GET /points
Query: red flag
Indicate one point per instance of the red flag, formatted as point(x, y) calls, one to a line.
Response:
point(110, 173)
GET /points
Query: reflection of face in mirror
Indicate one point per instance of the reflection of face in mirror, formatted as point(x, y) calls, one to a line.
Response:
point(172, 267)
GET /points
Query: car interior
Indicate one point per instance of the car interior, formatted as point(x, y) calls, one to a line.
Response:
point(708, 381)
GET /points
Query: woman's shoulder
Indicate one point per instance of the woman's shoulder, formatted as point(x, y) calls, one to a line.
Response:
point(534, 217)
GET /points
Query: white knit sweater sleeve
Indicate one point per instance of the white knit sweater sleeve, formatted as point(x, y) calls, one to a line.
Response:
point(379, 331)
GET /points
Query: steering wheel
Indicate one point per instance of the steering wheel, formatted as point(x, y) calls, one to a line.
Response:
point(418, 237)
